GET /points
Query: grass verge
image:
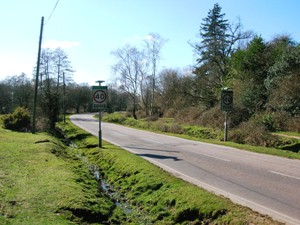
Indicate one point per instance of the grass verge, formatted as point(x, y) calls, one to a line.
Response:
point(207, 135)
point(43, 182)
point(151, 195)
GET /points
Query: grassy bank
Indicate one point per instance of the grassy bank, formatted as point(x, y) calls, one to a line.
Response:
point(290, 147)
point(148, 195)
point(43, 182)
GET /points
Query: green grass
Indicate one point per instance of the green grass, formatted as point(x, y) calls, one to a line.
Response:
point(152, 195)
point(197, 133)
point(292, 134)
point(42, 182)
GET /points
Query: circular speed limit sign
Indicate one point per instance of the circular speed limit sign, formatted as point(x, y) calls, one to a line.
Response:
point(99, 96)
point(227, 99)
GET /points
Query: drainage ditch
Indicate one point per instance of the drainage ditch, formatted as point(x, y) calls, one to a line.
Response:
point(103, 185)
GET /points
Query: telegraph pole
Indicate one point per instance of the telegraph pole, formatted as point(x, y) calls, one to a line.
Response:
point(37, 76)
point(64, 97)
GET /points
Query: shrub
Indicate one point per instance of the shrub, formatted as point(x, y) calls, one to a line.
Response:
point(273, 121)
point(114, 118)
point(19, 120)
point(152, 118)
point(135, 123)
point(200, 132)
point(141, 114)
point(170, 112)
point(176, 129)
point(294, 124)
point(213, 117)
point(188, 115)
point(253, 133)
point(238, 115)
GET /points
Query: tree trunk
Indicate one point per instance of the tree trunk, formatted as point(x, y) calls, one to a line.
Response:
point(134, 112)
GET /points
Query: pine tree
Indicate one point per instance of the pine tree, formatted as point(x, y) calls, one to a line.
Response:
point(215, 46)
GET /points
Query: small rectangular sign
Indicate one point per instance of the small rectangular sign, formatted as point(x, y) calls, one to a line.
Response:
point(226, 100)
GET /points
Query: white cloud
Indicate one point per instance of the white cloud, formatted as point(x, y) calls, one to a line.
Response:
point(138, 39)
point(149, 37)
point(60, 44)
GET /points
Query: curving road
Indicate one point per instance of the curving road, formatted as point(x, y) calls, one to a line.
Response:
point(267, 184)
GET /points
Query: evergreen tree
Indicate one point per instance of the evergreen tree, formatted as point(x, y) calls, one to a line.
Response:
point(219, 41)
point(215, 46)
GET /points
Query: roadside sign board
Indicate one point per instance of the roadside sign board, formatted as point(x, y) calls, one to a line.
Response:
point(226, 100)
point(99, 95)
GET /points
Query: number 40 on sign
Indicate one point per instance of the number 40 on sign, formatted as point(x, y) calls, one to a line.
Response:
point(99, 95)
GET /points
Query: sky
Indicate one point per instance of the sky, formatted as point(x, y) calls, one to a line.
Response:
point(89, 30)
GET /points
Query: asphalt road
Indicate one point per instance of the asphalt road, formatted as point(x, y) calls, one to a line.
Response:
point(267, 184)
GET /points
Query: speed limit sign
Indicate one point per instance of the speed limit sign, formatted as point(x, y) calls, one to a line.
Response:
point(226, 99)
point(99, 96)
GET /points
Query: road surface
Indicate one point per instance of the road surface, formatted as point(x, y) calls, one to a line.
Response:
point(267, 184)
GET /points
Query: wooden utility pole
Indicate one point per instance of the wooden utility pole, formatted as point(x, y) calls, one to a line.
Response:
point(64, 97)
point(37, 76)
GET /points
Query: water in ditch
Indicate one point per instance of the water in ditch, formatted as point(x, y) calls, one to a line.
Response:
point(103, 185)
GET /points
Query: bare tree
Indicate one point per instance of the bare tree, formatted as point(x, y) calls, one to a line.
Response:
point(154, 43)
point(62, 65)
point(131, 69)
point(54, 63)
point(46, 67)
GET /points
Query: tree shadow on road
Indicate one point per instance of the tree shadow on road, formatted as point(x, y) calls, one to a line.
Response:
point(159, 156)
point(151, 149)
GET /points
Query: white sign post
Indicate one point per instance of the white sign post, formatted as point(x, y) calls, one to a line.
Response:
point(99, 95)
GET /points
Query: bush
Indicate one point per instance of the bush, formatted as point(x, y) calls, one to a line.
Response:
point(294, 124)
point(188, 115)
point(253, 133)
point(19, 120)
point(274, 121)
point(114, 118)
point(213, 118)
point(200, 132)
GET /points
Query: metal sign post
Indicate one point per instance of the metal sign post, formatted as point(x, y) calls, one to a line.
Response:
point(99, 94)
point(226, 105)
point(225, 128)
point(100, 131)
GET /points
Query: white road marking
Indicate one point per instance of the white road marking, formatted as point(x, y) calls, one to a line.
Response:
point(285, 175)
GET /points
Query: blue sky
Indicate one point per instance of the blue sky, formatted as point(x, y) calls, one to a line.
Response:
point(88, 30)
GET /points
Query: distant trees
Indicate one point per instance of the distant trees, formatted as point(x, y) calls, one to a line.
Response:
point(131, 68)
point(118, 99)
point(174, 86)
point(15, 91)
point(56, 91)
point(78, 97)
point(250, 66)
point(264, 73)
point(137, 72)
point(283, 78)
point(55, 68)
point(219, 40)
point(56, 71)
point(154, 43)
point(264, 76)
